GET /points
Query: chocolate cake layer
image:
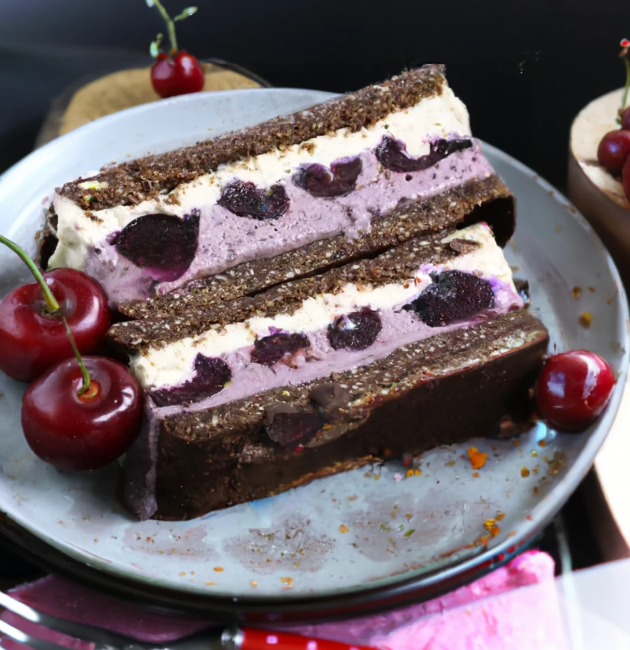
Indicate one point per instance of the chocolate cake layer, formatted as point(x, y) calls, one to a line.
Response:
point(442, 390)
point(485, 199)
point(138, 180)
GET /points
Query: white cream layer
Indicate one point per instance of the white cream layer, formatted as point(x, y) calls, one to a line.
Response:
point(437, 116)
point(173, 364)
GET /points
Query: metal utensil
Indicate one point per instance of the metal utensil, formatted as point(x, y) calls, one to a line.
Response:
point(232, 638)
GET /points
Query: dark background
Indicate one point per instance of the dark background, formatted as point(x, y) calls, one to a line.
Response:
point(524, 68)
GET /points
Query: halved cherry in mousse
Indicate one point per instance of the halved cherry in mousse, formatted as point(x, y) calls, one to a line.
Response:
point(32, 337)
point(573, 389)
point(82, 413)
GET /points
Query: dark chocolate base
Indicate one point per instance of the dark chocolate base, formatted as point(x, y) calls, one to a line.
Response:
point(440, 391)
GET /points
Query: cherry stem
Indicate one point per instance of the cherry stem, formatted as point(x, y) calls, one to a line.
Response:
point(170, 25)
point(51, 305)
point(84, 371)
point(51, 302)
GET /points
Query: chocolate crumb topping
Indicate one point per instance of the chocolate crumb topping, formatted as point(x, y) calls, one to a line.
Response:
point(146, 178)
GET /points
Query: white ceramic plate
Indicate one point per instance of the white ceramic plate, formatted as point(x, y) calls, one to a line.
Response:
point(344, 533)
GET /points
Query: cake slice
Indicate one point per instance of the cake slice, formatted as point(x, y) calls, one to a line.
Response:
point(297, 195)
point(265, 392)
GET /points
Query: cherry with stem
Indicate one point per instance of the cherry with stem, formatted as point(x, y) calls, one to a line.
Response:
point(83, 412)
point(35, 319)
point(53, 307)
point(175, 72)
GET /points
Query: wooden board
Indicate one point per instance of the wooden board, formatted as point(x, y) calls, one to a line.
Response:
point(124, 89)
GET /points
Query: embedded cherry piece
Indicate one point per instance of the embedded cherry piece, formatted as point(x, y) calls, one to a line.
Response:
point(292, 428)
point(82, 432)
point(392, 154)
point(177, 75)
point(573, 389)
point(162, 244)
point(246, 200)
point(339, 180)
point(613, 150)
point(211, 376)
point(271, 349)
point(453, 296)
point(32, 340)
point(355, 331)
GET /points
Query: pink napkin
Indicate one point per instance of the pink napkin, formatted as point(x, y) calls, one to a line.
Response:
point(515, 606)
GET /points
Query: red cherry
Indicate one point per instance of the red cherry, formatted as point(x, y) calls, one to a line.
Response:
point(179, 75)
point(613, 150)
point(82, 432)
point(32, 341)
point(625, 119)
point(625, 178)
point(573, 389)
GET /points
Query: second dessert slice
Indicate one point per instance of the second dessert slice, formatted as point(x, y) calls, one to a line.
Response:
point(345, 179)
point(206, 367)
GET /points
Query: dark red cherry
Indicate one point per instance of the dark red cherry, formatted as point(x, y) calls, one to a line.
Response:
point(31, 340)
point(453, 296)
point(246, 200)
point(271, 349)
point(177, 75)
point(320, 181)
point(613, 150)
point(164, 245)
point(625, 119)
point(573, 389)
point(211, 376)
point(392, 154)
point(355, 331)
point(82, 432)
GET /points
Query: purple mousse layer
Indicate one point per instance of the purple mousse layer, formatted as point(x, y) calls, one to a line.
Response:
point(399, 327)
point(227, 240)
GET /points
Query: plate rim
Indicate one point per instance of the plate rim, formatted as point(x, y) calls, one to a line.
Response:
point(545, 509)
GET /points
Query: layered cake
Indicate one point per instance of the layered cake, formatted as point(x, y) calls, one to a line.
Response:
point(348, 178)
point(264, 393)
point(296, 288)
